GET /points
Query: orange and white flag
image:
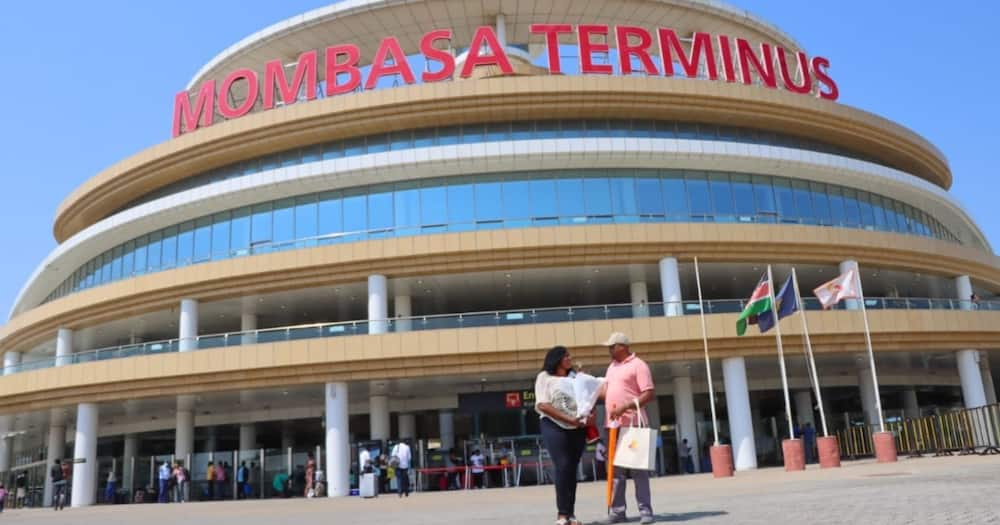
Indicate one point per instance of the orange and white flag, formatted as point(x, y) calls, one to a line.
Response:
point(845, 286)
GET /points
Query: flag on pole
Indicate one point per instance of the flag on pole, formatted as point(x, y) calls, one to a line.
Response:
point(760, 302)
point(785, 304)
point(845, 286)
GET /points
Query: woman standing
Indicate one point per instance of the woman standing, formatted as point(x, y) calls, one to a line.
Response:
point(562, 431)
point(310, 474)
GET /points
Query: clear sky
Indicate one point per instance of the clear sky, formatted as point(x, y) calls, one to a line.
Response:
point(91, 83)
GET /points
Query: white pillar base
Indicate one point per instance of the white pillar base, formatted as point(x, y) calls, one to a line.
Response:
point(973, 393)
point(338, 445)
point(734, 373)
point(686, 421)
point(85, 456)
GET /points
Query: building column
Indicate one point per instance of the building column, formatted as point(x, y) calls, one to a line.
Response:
point(378, 417)
point(407, 426)
point(991, 391)
point(187, 335)
point(64, 346)
point(248, 323)
point(338, 445)
point(867, 388)
point(846, 266)
point(10, 360)
point(378, 306)
point(446, 426)
point(911, 408)
point(85, 456)
point(184, 433)
point(973, 392)
point(804, 408)
point(670, 284)
point(687, 428)
point(402, 306)
point(734, 373)
point(131, 450)
point(56, 449)
point(639, 294)
point(248, 436)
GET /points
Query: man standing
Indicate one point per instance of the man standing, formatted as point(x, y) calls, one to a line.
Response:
point(628, 382)
point(402, 457)
point(478, 461)
point(686, 463)
point(164, 479)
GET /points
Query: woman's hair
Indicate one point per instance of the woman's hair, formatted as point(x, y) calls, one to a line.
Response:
point(553, 357)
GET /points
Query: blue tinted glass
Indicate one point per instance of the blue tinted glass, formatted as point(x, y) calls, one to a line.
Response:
point(803, 202)
point(333, 150)
point(472, 133)
point(331, 214)
point(571, 129)
point(838, 216)
point(852, 210)
point(168, 248)
point(743, 197)
point(220, 235)
point(290, 158)
point(354, 147)
point(522, 130)
point(460, 204)
point(139, 264)
point(675, 196)
point(570, 194)
point(497, 131)
point(665, 130)
point(305, 217)
point(643, 128)
point(548, 129)
point(450, 135)
point(867, 215)
point(763, 196)
point(649, 195)
point(698, 199)
point(185, 244)
point(116, 263)
point(423, 138)
point(596, 196)
point(687, 131)
point(400, 140)
point(880, 220)
point(312, 154)
point(380, 210)
point(517, 199)
point(240, 231)
point(378, 143)
point(407, 203)
point(821, 203)
point(355, 213)
point(260, 225)
point(489, 201)
point(722, 197)
point(543, 198)
point(433, 205)
point(596, 128)
point(105, 267)
point(785, 199)
point(623, 197)
point(202, 239)
point(154, 252)
point(128, 252)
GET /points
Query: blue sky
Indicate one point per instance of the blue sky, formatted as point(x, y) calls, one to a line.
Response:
point(91, 83)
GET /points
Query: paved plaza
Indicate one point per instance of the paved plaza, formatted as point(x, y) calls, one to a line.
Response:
point(953, 490)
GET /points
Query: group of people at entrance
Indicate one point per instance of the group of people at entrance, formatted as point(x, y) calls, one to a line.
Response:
point(377, 474)
point(628, 385)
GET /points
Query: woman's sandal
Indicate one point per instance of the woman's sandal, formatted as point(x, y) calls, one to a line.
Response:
point(574, 521)
point(562, 521)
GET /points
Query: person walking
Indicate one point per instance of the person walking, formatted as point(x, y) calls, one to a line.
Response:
point(628, 382)
point(3, 496)
point(164, 479)
point(110, 487)
point(686, 462)
point(562, 432)
point(478, 461)
point(210, 480)
point(310, 475)
point(58, 486)
point(221, 475)
point(403, 458)
point(21, 488)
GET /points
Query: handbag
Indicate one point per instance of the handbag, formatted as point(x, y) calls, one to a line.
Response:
point(636, 448)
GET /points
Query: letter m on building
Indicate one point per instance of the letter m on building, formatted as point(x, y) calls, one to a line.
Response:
point(186, 117)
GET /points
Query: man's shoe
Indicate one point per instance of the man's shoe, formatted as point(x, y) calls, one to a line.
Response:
point(615, 518)
point(646, 518)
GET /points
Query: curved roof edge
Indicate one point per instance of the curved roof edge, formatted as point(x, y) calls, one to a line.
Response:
point(338, 9)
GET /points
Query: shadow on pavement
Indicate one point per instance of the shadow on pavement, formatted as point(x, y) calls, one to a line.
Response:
point(673, 517)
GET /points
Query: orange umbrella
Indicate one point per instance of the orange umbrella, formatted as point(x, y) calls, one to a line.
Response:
point(612, 447)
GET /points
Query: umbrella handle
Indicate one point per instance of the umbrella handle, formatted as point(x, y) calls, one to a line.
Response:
point(612, 448)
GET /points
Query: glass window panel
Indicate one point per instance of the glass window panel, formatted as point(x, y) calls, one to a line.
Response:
point(355, 213)
point(785, 200)
point(497, 131)
point(89, 281)
point(901, 225)
point(312, 153)
point(377, 143)
point(821, 203)
point(270, 162)
point(305, 217)
point(461, 210)
point(331, 215)
point(675, 196)
point(433, 204)
point(596, 198)
point(570, 194)
point(473, 133)
point(722, 197)
point(803, 202)
point(763, 194)
point(543, 198)
point(116, 263)
point(203, 239)
point(407, 203)
point(743, 197)
point(879, 211)
point(290, 158)
point(547, 129)
point(623, 198)
point(619, 128)
point(400, 140)
point(106, 267)
point(596, 128)
point(867, 215)
point(128, 255)
point(699, 202)
point(154, 252)
point(168, 248)
point(449, 135)
point(221, 223)
point(517, 199)
point(522, 130)
point(139, 263)
point(650, 196)
point(838, 215)
point(260, 225)
point(489, 204)
point(665, 130)
point(185, 244)
point(239, 234)
point(687, 131)
point(380, 210)
point(423, 138)
point(571, 129)
point(852, 211)
point(333, 150)
point(354, 147)
point(643, 128)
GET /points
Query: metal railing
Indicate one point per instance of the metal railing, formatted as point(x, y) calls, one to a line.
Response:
point(962, 431)
point(468, 320)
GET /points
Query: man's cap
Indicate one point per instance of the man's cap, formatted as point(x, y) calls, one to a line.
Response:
point(616, 338)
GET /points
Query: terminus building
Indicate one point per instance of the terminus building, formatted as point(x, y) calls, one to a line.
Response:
point(372, 219)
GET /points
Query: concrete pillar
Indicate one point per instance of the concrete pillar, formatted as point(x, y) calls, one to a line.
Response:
point(378, 416)
point(131, 450)
point(184, 432)
point(407, 426)
point(846, 266)
point(446, 425)
point(338, 445)
point(378, 306)
point(867, 388)
point(670, 285)
point(687, 428)
point(639, 298)
point(973, 392)
point(56, 449)
point(911, 408)
point(734, 373)
point(402, 305)
point(187, 333)
point(991, 391)
point(804, 408)
point(85, 456)
point(248, 436)
point(64, 347)
point(963, 292)
point(501, 29)
point(248, 323)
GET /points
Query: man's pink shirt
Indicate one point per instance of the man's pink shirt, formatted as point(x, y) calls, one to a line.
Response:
point(626, 381)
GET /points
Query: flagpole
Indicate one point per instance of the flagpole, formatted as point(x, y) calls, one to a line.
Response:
point(708, 364)
point(809, 351)
point(871, 354)
point(781, 352)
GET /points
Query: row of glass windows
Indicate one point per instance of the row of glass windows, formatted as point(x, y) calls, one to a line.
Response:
point(501, 201)
point(494, 132)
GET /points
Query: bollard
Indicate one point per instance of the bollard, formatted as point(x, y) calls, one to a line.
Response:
point(722, 461)
point(829, 452)
point(795, 454)
point(885, 447)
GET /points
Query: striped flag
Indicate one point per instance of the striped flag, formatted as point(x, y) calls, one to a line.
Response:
point(760, 302)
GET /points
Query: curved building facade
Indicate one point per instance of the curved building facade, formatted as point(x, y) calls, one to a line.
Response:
point(374, 218)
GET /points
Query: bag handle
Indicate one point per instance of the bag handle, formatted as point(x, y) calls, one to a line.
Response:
point(638, 414)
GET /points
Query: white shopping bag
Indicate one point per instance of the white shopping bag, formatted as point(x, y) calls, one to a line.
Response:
point(636, 447)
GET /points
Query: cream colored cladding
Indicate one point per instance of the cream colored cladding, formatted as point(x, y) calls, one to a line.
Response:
point(366, 22)
point(493, 251)
point(473, 351)
point(497, 99)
